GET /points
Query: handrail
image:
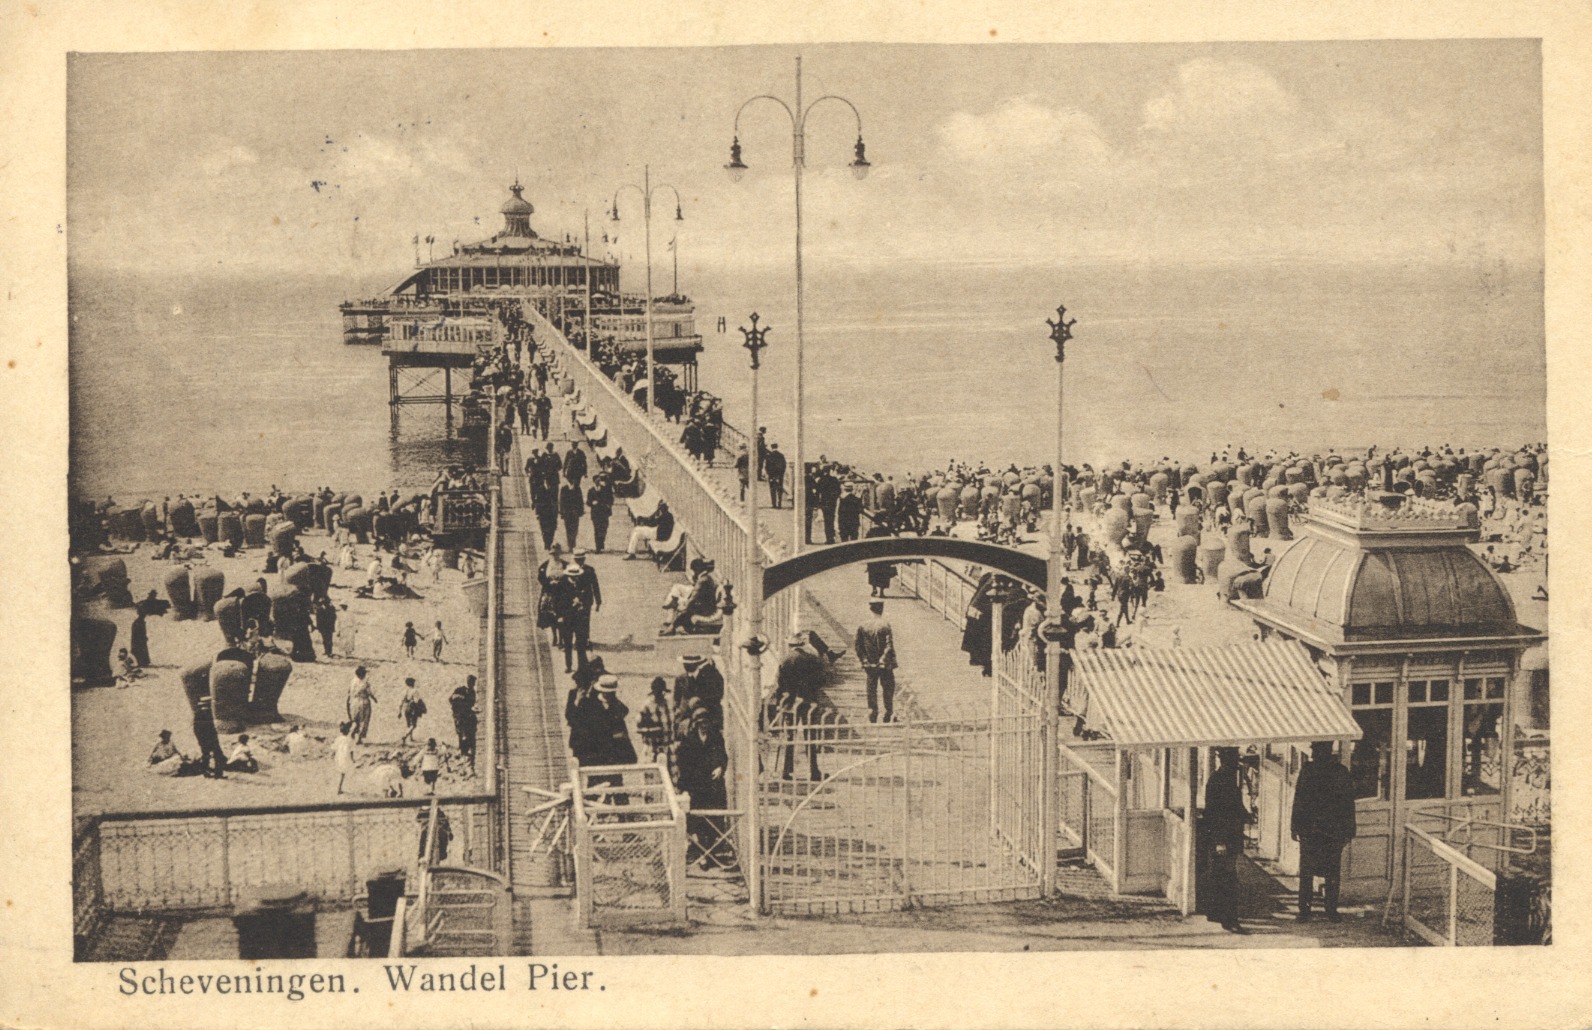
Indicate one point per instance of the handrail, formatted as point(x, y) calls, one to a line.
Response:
point(1453, 856)
point(1087, 766)
point(1464, 823)
point(307, 808)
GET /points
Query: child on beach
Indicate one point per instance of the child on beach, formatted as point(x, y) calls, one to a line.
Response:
point(430, 765)
point(411, 639)
point(128, 669)
point(411, 707)
point(343, 755)
point(438, 638)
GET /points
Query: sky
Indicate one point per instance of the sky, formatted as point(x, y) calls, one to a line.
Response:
point(332, 161)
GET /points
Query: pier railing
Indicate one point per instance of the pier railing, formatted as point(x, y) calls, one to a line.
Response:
point(204, 859)
point(713, 518)
point(939, 586)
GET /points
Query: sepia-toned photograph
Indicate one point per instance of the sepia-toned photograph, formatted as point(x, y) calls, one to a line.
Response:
point(837, 499)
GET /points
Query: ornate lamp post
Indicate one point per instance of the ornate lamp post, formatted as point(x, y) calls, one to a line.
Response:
point(1060, 333)
point(737, 168)
point(646, 189)
point(754, 644)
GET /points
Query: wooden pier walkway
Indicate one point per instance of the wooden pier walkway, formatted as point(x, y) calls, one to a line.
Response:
point(533, 748)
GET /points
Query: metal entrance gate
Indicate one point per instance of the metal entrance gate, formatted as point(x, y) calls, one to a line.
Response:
point(939, 811)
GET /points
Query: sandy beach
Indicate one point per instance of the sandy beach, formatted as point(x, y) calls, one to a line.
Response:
point(115, 728)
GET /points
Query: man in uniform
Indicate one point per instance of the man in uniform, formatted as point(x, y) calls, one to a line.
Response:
point(800, 677)
point(1222, 827)
point(1323, 822)
point(876, 652)
point(774, 466)
point(575, 465)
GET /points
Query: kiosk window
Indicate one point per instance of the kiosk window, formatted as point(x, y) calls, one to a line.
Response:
point(1481, 771)
point(1368, 764)
point(1426, 752)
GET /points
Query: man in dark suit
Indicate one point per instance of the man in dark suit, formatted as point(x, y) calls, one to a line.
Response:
point(826, 490)
point(575, 465)
point(796, 702)
point(1323, 822)
point(1222, 827)
point(774, 466)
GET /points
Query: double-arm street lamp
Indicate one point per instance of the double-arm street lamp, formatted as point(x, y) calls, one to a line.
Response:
point(737, 168)
point(646, 190)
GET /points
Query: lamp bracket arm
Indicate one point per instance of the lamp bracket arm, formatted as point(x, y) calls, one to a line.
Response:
point(831, 96)
point(795, 126)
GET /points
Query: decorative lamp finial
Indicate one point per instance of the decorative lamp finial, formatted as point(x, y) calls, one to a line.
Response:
point(1061, 331)
point(754, 340)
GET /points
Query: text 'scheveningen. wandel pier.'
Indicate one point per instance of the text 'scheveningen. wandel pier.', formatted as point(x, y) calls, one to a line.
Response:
point(1083, 518)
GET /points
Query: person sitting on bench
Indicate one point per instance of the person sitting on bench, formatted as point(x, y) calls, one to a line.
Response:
point(675, 599)
point(700, 610)
point(651, 530)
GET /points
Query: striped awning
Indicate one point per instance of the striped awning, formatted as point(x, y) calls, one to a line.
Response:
point(1256, 693)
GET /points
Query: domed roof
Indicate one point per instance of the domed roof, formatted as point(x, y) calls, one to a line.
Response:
point(517, 205)
point(1374, 593)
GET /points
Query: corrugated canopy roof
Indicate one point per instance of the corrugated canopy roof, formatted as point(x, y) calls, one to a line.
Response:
point(1244, 694)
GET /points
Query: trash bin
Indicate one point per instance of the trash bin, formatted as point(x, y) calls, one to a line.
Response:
point(275, 923)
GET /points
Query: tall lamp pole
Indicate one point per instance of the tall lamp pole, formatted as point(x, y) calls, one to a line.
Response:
point(755, 644)
point(646, 189)
point(1060, 333)
point(859, 167)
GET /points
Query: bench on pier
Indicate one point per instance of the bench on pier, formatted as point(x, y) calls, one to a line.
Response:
point(644, 505)
point(673, 553)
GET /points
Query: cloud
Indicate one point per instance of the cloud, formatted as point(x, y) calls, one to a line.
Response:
point(1219, 116)
point(227, 157)
point(1025, 135)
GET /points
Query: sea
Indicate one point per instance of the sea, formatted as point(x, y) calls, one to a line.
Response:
point(241, 382)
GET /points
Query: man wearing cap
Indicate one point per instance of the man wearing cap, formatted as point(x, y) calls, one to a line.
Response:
point(702, 683)
point(876, 652)
point(571, 617)
point(600, 505)
point(797, 684)
point(598, 734)
point(848, 513)
point(586, 582)
point(575, 466)
point(1323, 823)
point(826, 494)
point(571, 508)
point(1222, 827)
point(774, 466)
